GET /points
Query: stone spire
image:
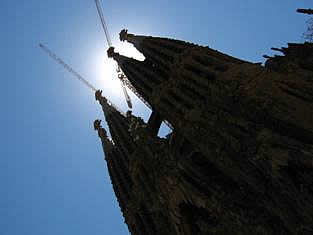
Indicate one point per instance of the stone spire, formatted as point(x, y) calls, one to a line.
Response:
point(118, 171)
point(202, 83)
point(180, 87)
point(164, 52)
point(240, 156)
point(175, 75)
point(107, 144)
point(140, 74)
point(214, 99)
point(118, 126)
point(131, 180)
point(158, 51)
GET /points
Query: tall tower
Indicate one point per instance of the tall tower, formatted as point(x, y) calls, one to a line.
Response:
point(119, 177)
point(198, 89)
point(166, 186)
point(126, 164)
point(240, 157)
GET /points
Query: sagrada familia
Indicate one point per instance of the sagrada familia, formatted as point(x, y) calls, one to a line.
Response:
point(239, 159)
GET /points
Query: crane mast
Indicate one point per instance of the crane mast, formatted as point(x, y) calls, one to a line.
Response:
point(104, 26)
point(72, 71)
point(121, 75)
point(107, 35)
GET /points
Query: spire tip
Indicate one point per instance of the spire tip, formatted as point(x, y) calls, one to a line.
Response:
point(123, 35)
point(97, 124)
point(110, 52)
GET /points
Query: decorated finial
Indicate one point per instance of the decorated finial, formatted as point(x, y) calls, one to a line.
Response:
point(107, 107)
point(101, 131)
point(110, 52)
point(128, 113)
point(123, 35)
point(97, 124)
point(98, 95)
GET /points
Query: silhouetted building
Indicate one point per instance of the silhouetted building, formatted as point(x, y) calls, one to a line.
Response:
point(239, 159)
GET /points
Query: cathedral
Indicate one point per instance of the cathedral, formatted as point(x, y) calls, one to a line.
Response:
point(239, 158)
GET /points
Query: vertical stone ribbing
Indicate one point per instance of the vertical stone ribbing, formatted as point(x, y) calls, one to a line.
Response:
point(147, 220)
point(143, 71)
point(141, 227)
point(164, 51)
point(119, 135)
point(118, 182)
point(118, 125)
point(161, 51)
point(119, 174)
point(122, 173)
point(139, 73)
point(119, 171)
point(175, 75)
point(244, 163)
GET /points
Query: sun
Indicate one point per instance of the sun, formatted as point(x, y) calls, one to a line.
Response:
point(106, 75)
point(105, 69)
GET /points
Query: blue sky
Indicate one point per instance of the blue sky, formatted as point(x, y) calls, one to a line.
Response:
point(53, 176)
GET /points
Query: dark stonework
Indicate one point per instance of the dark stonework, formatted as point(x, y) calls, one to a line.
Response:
point(240, 157)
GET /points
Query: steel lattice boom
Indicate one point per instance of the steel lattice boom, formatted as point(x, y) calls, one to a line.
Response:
point(66, 66)
point(130, 87)
point(107, 35)
point(121, 75)
point(72, 71)
point(104, 26)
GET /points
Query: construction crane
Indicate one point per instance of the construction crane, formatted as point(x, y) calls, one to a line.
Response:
point(107, 35)
point(124, 80)
point(121, 75)
point(84, 81)
point(72, 71)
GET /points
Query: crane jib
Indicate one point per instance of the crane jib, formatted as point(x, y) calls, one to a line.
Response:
point(107, 35)
point(76, 75)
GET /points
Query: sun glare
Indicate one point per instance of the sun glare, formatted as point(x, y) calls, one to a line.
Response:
point(129, 50)
point(105, 68)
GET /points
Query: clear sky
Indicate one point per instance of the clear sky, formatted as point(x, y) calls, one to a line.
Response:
point(53, 176)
